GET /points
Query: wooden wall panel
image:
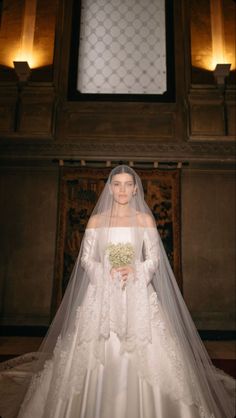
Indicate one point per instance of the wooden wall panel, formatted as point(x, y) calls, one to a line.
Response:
point(8, 97)
point(36, 118)
point(207, 119)
point(27, 243)
point(112, 121)
point(7, 113)
point(208, 244)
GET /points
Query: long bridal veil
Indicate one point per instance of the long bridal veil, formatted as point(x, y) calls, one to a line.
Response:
point(91, 266)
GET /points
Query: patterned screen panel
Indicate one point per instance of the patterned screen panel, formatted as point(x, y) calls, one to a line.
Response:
point(122, 47)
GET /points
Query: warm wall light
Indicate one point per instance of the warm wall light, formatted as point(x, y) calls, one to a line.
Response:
point(220, 72)
point(22, 70)
point(214, 51)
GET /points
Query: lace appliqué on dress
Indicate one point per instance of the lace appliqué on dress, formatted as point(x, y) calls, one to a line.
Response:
point(186, 383)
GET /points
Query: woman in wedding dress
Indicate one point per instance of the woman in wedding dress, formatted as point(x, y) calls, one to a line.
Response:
point(122, 344)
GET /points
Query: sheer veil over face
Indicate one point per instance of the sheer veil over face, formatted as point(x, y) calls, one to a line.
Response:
point(121, 207)
point(122, 188)
point(122, 202)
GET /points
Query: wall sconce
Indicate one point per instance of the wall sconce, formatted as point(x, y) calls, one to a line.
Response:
point(22, 70)
point(220, 73)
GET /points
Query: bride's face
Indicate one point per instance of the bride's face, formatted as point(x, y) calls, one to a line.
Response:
point(122, 188)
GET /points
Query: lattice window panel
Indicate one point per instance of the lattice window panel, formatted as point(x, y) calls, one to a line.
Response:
point(122, 47)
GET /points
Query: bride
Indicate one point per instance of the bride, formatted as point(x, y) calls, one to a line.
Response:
point(122, 344)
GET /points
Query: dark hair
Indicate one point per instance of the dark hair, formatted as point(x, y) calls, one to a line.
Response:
point(122, 169)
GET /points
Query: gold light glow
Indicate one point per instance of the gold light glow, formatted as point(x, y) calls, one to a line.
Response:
point(25, 44)
point(209, 62)
point(25, 52)
point(219, 55)
point(33, 58)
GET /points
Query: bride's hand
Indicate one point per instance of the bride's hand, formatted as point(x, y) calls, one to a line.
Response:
point(124, 271)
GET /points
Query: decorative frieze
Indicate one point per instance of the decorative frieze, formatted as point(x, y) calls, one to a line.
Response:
point(94, 149)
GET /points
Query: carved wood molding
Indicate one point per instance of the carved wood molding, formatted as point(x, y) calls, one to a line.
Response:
point(91, 148)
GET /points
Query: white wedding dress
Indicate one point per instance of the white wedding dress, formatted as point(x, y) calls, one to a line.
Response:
point(120, 361)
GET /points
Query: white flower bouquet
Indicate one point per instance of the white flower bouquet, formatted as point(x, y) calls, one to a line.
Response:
point(120, 255)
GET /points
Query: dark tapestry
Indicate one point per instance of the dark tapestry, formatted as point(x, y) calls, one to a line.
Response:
point(79, 192)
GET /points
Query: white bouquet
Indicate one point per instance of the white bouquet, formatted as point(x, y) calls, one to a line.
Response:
point(120, 255)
